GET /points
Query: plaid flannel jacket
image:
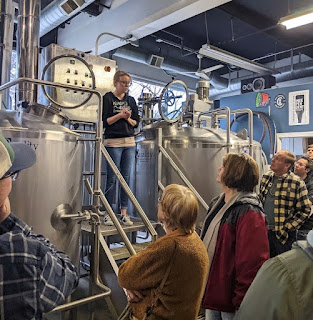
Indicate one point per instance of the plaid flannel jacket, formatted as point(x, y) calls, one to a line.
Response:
point(291, 203)
point(34, 276)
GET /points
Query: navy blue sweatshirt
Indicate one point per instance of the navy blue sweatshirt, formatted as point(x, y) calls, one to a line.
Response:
point(112, 106)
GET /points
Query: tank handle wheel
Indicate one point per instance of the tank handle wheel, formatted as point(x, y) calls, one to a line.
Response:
point(92, 76)
point(172, 104)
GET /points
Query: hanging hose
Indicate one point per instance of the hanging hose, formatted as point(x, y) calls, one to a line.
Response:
point(266, 124)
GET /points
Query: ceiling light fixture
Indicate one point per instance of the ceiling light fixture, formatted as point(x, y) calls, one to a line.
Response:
point(230, 58)
point(297, 19)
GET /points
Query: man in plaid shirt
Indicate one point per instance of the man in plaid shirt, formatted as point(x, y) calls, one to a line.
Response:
point(285, 200)
point(34, 276)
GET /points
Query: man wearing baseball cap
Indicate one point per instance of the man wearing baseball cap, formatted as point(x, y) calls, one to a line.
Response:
point(34, 276)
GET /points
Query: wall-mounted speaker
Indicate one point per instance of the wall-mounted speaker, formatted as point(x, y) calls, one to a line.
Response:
point(257, 84)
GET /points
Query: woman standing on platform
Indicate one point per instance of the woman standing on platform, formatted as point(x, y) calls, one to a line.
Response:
point(120, 118)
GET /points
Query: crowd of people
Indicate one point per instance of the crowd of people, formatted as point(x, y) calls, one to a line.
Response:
point(253, 271)
point(252, 260)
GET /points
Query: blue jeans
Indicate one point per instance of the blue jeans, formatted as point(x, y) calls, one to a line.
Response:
point(124, 158)
point(218, 315)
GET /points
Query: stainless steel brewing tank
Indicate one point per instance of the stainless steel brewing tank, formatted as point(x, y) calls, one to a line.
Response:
point(55, 178)
point(198, 153)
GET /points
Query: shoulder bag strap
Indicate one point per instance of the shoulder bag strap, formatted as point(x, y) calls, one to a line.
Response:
point(160, 287)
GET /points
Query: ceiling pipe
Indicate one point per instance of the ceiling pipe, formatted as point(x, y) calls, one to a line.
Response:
point(222, 85)
point(58, 12)
point(168, 64)
point(298, 71)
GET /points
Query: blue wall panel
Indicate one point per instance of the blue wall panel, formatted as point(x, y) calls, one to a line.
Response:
point(279, 116)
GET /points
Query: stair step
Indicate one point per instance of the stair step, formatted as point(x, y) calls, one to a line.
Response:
point(122, 252)
point(111, 230)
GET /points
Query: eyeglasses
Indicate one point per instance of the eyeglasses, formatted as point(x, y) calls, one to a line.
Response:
point(13, 175)
point(126, 83)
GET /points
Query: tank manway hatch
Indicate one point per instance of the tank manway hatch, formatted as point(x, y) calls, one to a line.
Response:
point(173, 101)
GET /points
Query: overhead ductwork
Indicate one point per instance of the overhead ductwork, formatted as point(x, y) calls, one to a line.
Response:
point(298, 71)
point(58, 12)
point(222, 86)
point(141, 56)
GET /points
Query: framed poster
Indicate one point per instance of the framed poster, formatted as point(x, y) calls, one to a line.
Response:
point(299, 108)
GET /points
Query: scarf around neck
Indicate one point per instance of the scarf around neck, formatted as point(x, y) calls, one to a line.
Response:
point(211, 234)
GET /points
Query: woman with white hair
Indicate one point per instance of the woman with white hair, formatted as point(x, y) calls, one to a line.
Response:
point(169, 276)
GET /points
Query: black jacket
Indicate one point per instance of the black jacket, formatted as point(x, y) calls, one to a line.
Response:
point(112, 106)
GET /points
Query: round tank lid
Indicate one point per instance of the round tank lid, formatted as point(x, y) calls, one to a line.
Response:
point(173, 101)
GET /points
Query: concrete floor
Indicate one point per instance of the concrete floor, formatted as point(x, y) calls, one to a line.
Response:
point(84, 312)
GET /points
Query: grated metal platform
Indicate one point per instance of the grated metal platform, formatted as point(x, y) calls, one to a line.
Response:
point(122, 252)
point(111, 230)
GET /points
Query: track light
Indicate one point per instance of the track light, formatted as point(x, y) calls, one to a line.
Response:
point(230, 58)
point(297, 19)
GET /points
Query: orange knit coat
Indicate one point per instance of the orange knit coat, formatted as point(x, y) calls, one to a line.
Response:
point(182, 293)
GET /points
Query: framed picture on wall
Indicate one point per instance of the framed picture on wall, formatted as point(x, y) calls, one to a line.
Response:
point(299, 108)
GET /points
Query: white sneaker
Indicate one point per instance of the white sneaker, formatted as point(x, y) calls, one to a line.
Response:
point(108, 221)
point(125, 219)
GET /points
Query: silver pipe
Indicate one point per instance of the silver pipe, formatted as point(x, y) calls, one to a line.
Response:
point(28, 48)
point(160, 138)
point(7, 11)
point(96, 255)
point(250, 120)
point(127, 39)
point(79, 302)
point(106, 249)
point(98, 160)
point(221, 111)
point(76, 216)
point(117, 224)
point(51, 84)
point(160, 185)
point(85, 132)
point(88, 186)
point(131, 196)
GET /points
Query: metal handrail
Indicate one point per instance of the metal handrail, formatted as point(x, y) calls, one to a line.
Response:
point(163, 152)
point(117, 224)
point(250, 119)
point(218, 111)
point(228, 112)
point(50, 84)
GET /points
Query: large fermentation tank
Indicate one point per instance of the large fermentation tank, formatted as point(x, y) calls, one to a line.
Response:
point(198, 153)
point(55, 180)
